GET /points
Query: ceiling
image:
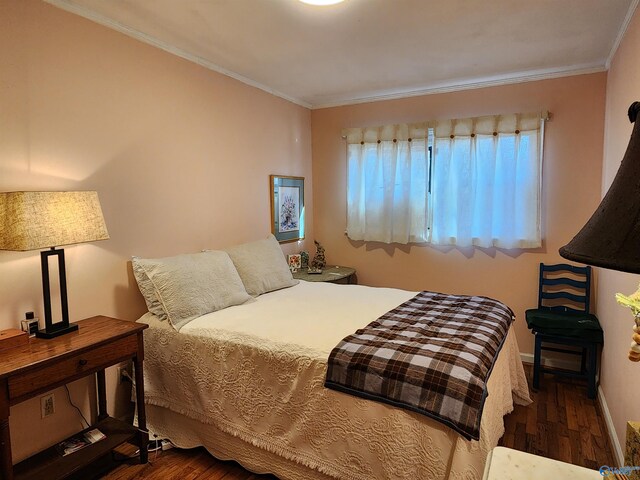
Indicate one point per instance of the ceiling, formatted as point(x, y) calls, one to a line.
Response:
point(363, 50)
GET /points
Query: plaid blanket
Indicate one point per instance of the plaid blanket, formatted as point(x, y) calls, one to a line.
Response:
point(432, 355)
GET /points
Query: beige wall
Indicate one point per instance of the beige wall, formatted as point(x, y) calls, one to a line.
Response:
point(618, 374)
point(571, 186)
point(180, 156)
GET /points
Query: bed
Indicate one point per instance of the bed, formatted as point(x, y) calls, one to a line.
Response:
point(247, 383)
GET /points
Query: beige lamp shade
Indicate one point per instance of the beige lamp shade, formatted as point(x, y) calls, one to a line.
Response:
point(38, 220)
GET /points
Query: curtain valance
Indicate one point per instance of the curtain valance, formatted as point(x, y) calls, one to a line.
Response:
point(486, 125)
point(489, 125)
point(400, 132)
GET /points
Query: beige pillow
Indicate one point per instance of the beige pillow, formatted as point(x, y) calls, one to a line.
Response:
point(261, 266)
point(191, 285)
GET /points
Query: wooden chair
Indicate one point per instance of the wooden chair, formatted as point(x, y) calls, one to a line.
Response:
point(563, 318)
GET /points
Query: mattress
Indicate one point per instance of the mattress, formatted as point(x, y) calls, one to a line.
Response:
point(246, 382)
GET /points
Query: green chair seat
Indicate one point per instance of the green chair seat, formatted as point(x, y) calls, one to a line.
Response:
point(566, 324)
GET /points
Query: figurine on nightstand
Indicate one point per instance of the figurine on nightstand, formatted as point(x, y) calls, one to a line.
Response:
point(304, 259)
point(318, 262)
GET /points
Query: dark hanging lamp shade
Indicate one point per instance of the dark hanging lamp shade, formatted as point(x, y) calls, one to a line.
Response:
point(611, 237)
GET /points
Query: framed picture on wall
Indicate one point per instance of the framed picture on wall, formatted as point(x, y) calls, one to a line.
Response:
point(287, 208)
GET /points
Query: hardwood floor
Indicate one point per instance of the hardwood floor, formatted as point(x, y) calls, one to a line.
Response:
point(194, 464)
point(561, 423)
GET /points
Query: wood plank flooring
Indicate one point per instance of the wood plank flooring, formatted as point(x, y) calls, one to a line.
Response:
point(561, 423)
point(194, 464)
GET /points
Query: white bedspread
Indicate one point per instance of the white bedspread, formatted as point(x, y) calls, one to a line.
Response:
point(256, 372)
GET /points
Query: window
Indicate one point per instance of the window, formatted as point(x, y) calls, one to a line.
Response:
point(480, 188)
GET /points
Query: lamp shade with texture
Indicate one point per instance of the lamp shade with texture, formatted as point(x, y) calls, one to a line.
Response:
point(42, 220)
point(37, 220)
point(611, 237)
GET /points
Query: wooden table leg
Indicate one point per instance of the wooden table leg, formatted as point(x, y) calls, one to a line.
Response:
point(143, 436)
point(6, 462)
point(102, 395)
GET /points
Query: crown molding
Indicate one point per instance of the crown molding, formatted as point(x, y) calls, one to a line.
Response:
point(469, 84)
point(621, 32)
point(148, 39)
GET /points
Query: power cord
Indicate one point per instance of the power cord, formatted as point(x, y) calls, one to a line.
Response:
point(75, 406)
point(156, 445)
point(127, 375)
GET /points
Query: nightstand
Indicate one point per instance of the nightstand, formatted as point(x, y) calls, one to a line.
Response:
point(330, 273)
point(42, 365)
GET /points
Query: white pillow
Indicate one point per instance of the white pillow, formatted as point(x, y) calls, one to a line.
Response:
point(146, 288)
point(191, 285)
point(261, 266)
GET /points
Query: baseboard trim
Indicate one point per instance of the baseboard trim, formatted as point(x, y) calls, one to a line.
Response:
point(602, 401)
point(552, 362)
point(611, 430)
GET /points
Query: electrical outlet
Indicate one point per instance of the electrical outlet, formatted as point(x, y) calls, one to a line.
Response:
point(47, 405)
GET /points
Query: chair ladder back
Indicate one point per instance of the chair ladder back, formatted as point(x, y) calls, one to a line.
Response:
point(581, 288)
point(565, 321)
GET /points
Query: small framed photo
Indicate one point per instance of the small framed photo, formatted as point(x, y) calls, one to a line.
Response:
point(295, 261)
point(287, 208)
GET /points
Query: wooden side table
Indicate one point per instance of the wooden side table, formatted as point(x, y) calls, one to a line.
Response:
point(330, 273)
point(42, 365)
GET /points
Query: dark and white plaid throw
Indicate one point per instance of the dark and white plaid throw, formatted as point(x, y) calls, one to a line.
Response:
point(433, 355)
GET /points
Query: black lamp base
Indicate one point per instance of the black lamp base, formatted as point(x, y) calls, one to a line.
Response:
point(56, 332)
point(52, 330)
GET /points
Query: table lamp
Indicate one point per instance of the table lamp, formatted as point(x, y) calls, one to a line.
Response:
point(611, 237)
point(39, 220)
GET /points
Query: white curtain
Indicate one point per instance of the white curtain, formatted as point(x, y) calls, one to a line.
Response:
point(485, 187)
point(387, 183)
